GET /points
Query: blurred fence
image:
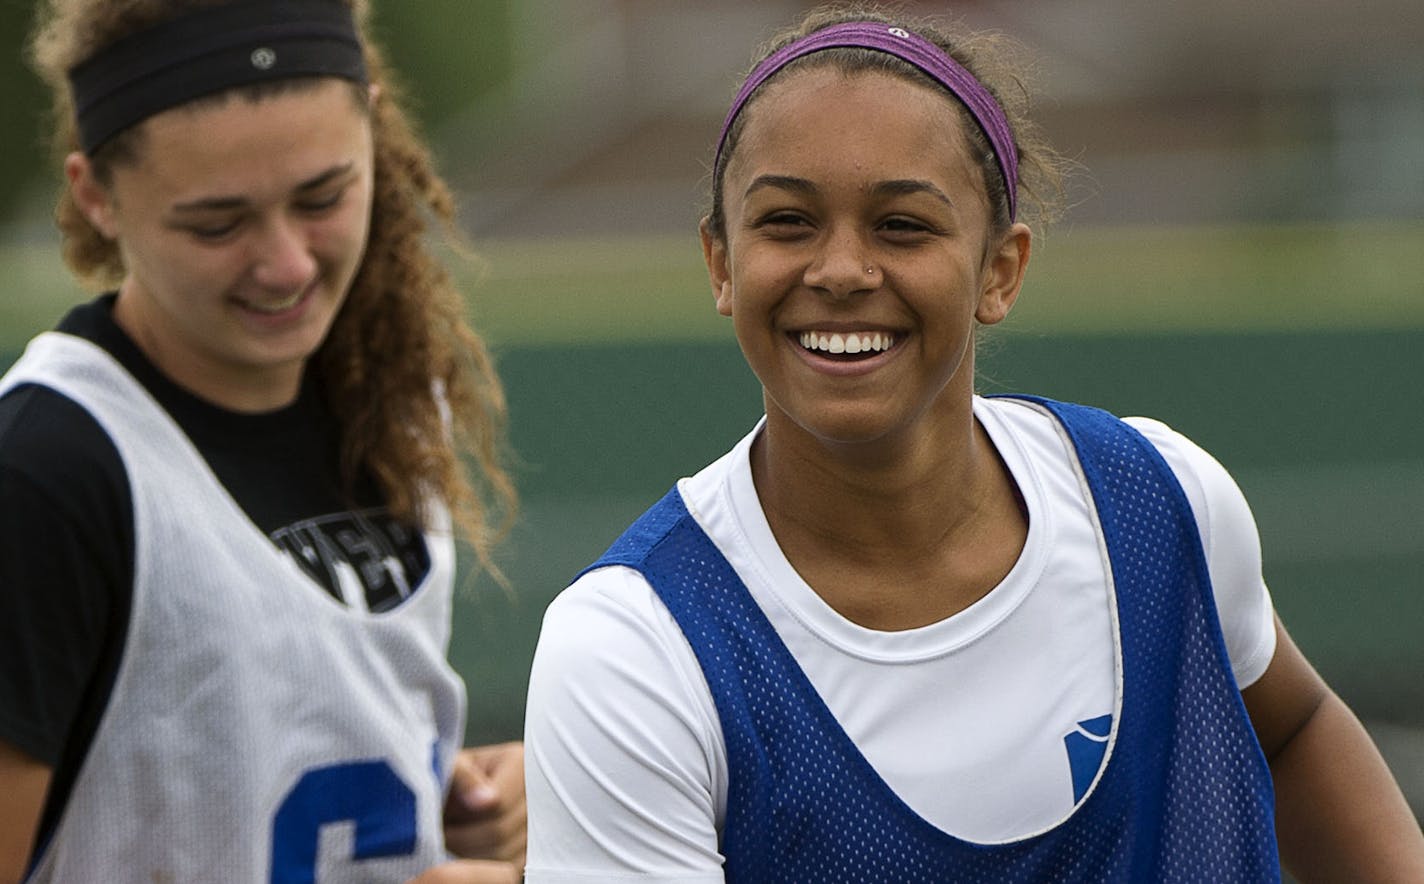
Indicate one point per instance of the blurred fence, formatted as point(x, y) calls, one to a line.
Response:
point(1320, 429)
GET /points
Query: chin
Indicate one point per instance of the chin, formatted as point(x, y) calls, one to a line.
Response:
point(846, 429)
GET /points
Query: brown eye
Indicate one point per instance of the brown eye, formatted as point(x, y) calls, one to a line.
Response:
point(785, 223)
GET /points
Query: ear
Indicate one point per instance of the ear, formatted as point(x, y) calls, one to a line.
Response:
point(714, 253)
point(1004, 274)
point(90, 195)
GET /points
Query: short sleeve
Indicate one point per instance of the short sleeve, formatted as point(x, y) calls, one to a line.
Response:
point(63, 551)
point(1232, 546)
point(622, 759)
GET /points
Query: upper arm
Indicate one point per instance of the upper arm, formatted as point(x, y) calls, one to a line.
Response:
point(59, 630)
point(23, 784)
point(621, 758)
point(1286, 695)
point(65, 557)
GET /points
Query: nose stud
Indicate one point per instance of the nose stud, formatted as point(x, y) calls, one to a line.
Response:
point(869, 269)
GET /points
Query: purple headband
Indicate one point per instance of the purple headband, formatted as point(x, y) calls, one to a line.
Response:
point(914, 49)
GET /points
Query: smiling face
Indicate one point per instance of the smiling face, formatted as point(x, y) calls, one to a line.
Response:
point(242, 226)
point(858, 255)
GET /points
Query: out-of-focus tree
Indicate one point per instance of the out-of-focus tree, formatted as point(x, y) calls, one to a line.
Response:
point(22, 145)
point(446, 52)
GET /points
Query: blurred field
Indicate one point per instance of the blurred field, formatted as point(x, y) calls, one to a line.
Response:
point(1199, 279)
point(1088, 280)
point(1292, 354)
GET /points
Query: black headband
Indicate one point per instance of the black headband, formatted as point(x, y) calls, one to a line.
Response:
point(207, 51)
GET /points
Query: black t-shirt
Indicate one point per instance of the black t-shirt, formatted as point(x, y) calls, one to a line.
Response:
point(67, 538)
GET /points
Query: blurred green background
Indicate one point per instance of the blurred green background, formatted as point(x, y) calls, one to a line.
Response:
point(1244, 260)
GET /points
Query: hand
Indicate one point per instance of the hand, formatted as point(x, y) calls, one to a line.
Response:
point(485, 810)
point(467, 871)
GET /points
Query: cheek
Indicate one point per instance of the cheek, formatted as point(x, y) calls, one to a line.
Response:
point(170, 260)
point(950, 283)
point(360, 224)
point(764, 274)
point(341, 238)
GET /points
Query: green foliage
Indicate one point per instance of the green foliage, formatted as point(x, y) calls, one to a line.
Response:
point(446, 52)
point(21, 110)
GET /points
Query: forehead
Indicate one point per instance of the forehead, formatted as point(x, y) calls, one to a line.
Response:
point(820, 118)
point(239, 142)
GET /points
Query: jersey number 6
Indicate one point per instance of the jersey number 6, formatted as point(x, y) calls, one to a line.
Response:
point(367, 793)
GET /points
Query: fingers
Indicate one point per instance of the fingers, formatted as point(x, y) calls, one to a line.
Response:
point(472, 789)
point(485, 811)
point(469, 872)
point(484, 779)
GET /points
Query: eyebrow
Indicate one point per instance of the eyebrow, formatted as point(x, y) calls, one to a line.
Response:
point(212, 203)
point(894, 187)
point(782, 182)
point(910, 186)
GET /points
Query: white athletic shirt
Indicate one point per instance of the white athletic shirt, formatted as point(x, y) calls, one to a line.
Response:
point(964, 718)
point(253, 714)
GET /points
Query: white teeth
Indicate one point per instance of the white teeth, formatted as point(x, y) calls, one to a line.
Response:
point(851, 342)
point(279, 306)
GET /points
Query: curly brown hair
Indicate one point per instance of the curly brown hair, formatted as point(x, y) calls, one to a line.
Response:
point(993, 59)
point(400, 352)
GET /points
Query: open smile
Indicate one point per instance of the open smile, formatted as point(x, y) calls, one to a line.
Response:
point(861, 344)
point(276, 308)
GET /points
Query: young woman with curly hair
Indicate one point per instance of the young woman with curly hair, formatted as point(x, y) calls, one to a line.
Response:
point(230, 486)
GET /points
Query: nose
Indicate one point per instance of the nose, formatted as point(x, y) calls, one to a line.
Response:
point(284, 261)
point(840, 267)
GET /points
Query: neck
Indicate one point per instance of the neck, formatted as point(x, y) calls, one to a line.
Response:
point(882, 497)
point(897, 533)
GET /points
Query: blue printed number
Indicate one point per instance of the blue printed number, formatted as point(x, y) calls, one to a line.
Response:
point(367, 793)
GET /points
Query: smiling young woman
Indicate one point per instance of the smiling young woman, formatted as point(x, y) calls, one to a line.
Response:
point(902, 632)
point(241, 234)
point(230, 486)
